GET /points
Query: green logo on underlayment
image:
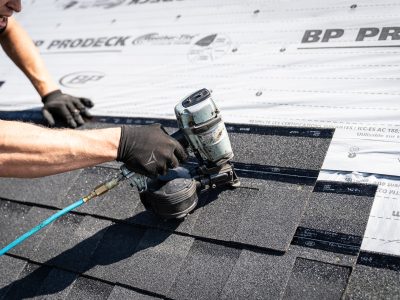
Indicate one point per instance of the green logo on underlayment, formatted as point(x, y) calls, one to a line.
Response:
point(210, 48)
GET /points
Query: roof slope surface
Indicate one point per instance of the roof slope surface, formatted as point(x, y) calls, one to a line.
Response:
point(276, 237)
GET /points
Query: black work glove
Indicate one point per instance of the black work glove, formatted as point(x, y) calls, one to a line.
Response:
point(149, 150)
point(65, 107)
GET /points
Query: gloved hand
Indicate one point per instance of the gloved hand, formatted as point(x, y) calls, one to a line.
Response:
point(65, 107)
point(149, 150)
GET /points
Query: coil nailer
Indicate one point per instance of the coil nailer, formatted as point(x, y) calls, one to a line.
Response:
point(202, 132)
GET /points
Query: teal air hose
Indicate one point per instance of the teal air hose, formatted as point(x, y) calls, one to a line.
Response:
point(101, 189)
point(40, 226)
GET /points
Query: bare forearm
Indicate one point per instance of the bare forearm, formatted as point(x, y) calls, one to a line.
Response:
point(20, 48)
point(28, 150)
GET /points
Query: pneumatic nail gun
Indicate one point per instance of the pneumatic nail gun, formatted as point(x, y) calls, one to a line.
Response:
point(203, 133)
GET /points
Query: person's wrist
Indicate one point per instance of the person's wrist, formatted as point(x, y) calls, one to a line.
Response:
point(118, 142)
point(122, 145)
point(50, 95)
point(107, 141)
point(45, 85)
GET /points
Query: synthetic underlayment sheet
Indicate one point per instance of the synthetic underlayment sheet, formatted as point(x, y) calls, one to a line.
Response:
point(303, 63)
point(267, 62)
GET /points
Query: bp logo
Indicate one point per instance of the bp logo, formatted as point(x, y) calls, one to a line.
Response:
point(353, 151)
point(210, 48)
point(81, 79)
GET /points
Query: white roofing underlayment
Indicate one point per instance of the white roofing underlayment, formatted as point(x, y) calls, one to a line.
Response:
point(293, 63)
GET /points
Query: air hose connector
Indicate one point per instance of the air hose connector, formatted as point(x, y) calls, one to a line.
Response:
point(103, 188)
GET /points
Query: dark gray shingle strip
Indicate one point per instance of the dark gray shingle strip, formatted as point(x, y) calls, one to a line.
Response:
point(258, 276)
point(118, 244)
point(147, 260)
point(342, 213)
point(120, 203)
point(276, 150)
point(375, 276)
point(120, 293)
point(49, 190)
point(272, 218)
point(333, 258)
point(204, 272)
point(71, 242)
point(373, 283)
point(15, 220)
point(56, 285)
point(316, 280)
point(10, 269)
point(89, 289)
point(264, 275)
point(222, 211)
point(28, 283)
point(156, 262)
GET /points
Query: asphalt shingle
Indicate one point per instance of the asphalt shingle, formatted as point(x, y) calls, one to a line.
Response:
point(10, 268)
point(56, 285)
point(221, 212)
point(279, 150)
point(316, 280)
point(120, 293)
point(117, 246)
point(28, 283)
point(272, 218)
point(119, 203)
point(238, 243)
point(373, 283)
point(85, 288)
point(264, 275)
point(71, 242)
point(338, 212)
point(16, 219)
point(258, 276)
point(156, 261)
point(49, 190)
point(375, 276)
point(204, 272)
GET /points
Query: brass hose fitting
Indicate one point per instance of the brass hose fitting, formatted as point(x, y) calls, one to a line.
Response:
point(103, 188)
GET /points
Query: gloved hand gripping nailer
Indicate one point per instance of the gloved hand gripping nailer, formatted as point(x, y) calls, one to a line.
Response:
point(203, 132)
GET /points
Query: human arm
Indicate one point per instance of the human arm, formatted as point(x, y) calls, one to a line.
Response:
point(30, 151)
point(20, 48)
